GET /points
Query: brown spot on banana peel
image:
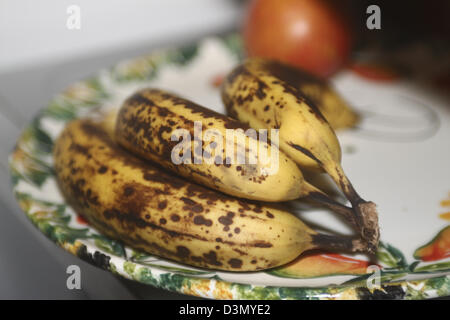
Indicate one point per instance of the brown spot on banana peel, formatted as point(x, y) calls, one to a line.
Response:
point(242, 253)
point(162, 205)
point(183, 252)
point(226, 220)
point(211, 258)
point(235, 263)
point(262, 244)
point(128, 191)
point(102, 169)
point(200, 220)
point(191, 205)
point(78, 148)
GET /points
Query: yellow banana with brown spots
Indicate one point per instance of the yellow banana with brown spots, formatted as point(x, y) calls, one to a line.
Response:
point(147, 120)
point(149, 209)
point(266, 94)
point(333, 107)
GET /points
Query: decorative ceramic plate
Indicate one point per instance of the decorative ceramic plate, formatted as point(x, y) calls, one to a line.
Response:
point(398, 157)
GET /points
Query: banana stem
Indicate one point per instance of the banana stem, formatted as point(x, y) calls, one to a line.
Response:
point(339, 243)
point(364, 211)
point(322, 198)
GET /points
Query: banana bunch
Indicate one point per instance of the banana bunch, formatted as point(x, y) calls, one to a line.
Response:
point(267, 94)
point(162, 173)
point(144, 206)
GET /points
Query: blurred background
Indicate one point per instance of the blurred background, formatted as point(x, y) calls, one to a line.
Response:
point(40, 55)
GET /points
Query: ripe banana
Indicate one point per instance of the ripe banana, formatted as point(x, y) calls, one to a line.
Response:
point(147, 120)
point(151, 210)
point(265, 94)
point(337, 112)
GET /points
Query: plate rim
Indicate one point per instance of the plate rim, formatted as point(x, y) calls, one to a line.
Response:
point(218, 288)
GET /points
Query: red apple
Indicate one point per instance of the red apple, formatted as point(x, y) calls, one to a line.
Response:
point(309, 34)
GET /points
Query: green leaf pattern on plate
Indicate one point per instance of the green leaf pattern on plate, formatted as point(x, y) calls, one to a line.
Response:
point(391, 256)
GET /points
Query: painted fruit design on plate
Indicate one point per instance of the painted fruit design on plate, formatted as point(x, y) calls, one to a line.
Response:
point(436, 249)
point(322, 264)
